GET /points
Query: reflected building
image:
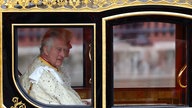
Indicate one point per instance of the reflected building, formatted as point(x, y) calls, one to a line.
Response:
point(144, 52)
point(32, 36)
point(152, 31)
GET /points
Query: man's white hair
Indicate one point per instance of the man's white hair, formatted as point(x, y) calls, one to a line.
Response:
point(54, 33)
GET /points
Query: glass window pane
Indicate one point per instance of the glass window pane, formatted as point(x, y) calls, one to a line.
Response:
point(29, 40)
point(145, 65)
point(54, 63)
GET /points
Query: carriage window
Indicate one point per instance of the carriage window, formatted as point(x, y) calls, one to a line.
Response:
point(29, 45)
point(56, 58)
point(144, 63)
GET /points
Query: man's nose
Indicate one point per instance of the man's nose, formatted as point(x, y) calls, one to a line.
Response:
point(62, 53)
point(69, 46)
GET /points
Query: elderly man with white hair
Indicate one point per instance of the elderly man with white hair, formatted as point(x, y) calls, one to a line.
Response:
point(45, 81)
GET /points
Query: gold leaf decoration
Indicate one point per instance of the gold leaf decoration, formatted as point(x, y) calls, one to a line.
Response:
point(85, 5)
point(17, 103)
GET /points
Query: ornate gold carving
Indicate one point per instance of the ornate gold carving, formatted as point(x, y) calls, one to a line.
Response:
point(85, 5)
point(17, 104)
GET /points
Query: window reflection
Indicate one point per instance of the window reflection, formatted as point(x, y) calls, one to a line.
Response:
point(144, 55)
point(146, 62)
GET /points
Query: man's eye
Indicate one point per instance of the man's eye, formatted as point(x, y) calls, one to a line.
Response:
point(59, 49)
point(64, 50)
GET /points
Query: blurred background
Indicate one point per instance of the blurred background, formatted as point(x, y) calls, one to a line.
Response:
point(144, 55)
point(28, 49)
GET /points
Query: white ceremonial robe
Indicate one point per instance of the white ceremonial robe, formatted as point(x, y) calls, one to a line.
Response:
point(49, 86)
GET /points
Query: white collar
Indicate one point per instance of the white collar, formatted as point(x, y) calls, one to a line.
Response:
point(36, 74)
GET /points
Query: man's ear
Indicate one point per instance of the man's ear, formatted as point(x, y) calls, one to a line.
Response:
point(45, 49)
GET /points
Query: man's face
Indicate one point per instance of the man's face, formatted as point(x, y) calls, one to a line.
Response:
point(58, 51)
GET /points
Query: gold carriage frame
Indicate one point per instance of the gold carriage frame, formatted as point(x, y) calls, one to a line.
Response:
point(85, 6)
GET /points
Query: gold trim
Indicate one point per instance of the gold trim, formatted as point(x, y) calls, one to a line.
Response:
point(29, 91)
point(1, 62)
point(48, 64)
point(94, 67)
point(82, 5)
point(17, 104)
point(68, 24)
point(147, 13)
point(104, 63)
point(90, 57)
point(131, 14)
point(180, 76)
